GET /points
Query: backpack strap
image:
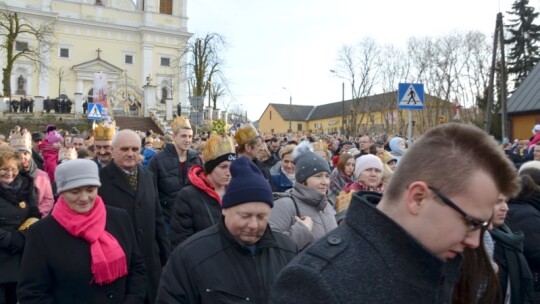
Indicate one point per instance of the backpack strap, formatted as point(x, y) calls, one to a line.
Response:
point(295, 206)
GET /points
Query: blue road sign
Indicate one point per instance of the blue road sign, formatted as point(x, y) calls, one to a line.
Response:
point(94, 111)
point(411, 96)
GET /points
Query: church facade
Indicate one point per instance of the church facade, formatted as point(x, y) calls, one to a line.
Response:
point(131, 44)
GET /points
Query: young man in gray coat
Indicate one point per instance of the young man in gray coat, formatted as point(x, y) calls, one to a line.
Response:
point(407, 248)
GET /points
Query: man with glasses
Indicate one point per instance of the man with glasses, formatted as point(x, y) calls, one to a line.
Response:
point(406, 246)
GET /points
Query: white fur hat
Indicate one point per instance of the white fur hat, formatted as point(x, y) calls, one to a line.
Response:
point(365, 162)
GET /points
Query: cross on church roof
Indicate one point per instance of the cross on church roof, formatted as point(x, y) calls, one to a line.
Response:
point(98, 52)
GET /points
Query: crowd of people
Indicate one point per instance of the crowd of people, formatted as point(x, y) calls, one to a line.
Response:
point(123, 216)
point(22, 105)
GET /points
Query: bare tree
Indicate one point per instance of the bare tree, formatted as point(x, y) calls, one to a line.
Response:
point(358, 65)
point(217, 90)
point(61, 76)
point(395, 68)
point(203, 66)
point(35, 46)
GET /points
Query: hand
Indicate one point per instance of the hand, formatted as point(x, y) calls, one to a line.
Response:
point(306, 221)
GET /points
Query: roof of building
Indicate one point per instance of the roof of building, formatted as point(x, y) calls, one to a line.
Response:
point(526, 97)
point(335, 109)
point(299, 112)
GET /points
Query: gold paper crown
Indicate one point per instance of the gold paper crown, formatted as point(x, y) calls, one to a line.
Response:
point(319, 146)
point(180, 122)
point(245, 133)
point(158, 144)
point(21, 141)
point(67, 153)
point(216, 146)
point(104, 132)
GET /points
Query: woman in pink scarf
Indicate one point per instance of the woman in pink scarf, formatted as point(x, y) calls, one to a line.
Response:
point(85, 252)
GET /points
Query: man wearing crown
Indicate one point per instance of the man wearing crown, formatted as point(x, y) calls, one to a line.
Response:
point(103, 134)
point(249, 143)
point(171, 165)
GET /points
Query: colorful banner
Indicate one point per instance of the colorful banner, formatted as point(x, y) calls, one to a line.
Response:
point(100, 89)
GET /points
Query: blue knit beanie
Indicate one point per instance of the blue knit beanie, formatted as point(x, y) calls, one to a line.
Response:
point(247, 185)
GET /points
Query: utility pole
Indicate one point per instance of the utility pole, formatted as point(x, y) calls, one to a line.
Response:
point(343, 122)
point(498, 42)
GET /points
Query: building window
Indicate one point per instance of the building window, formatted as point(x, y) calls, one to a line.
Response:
point(128, 59)
point(165, 7)
point(21, 46)
point(64, 52)
point(270, 115)
point(165, 61)
point(299, 127)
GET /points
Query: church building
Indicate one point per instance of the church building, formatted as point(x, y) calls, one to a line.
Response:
point(130, 43)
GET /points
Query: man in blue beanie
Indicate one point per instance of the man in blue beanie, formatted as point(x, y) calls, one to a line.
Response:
point(238, 258)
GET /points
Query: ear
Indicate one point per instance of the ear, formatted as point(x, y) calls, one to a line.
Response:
point(417, 193)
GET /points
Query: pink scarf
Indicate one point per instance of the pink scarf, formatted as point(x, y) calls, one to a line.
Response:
point(108, 258)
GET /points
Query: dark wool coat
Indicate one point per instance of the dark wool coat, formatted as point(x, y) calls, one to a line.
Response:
point(56, 265)
point(524, 216)
point(368, 259)
point(280, 182)
point(194, 210)
point(12, 215)
point(213, 267)
point(38, 160)
point(165, 166)
point(145, 214)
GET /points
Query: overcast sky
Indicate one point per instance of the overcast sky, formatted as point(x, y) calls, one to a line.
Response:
point(294, 43)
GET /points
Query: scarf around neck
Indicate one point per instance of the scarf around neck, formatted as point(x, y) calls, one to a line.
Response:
point(200, 181)
point(108, 260)
point(30, 167)
point(518, 270)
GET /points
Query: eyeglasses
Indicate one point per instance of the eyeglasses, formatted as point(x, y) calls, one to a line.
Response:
point(472, 223)
point(10, 170)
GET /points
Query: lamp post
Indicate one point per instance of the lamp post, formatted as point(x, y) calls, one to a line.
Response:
point(290, 109)
point(342, 104)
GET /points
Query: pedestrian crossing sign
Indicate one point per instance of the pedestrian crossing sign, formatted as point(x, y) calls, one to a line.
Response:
point(94, 111)
point(411, 96)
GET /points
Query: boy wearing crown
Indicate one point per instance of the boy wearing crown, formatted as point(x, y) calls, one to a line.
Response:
point(171, 165)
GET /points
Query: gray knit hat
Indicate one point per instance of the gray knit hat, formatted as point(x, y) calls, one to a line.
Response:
point(307, 162)
point(76, 173)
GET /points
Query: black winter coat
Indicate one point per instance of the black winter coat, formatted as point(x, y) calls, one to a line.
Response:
point(56, 265)
point(15, 209)
point(368, 259)
point(523, 216)
point(212, 267)
point(194, 210)
point(165, 166)
point(38, 160)
point(145, 215)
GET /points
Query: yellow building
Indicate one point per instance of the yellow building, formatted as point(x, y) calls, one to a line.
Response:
point(372, 114)
point(524, 106)
point(136, 43)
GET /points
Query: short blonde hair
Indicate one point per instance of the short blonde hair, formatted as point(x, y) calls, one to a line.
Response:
point(286, 150)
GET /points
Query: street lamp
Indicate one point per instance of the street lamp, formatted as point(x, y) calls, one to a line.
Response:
point(342, 104)
point(290, 109)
